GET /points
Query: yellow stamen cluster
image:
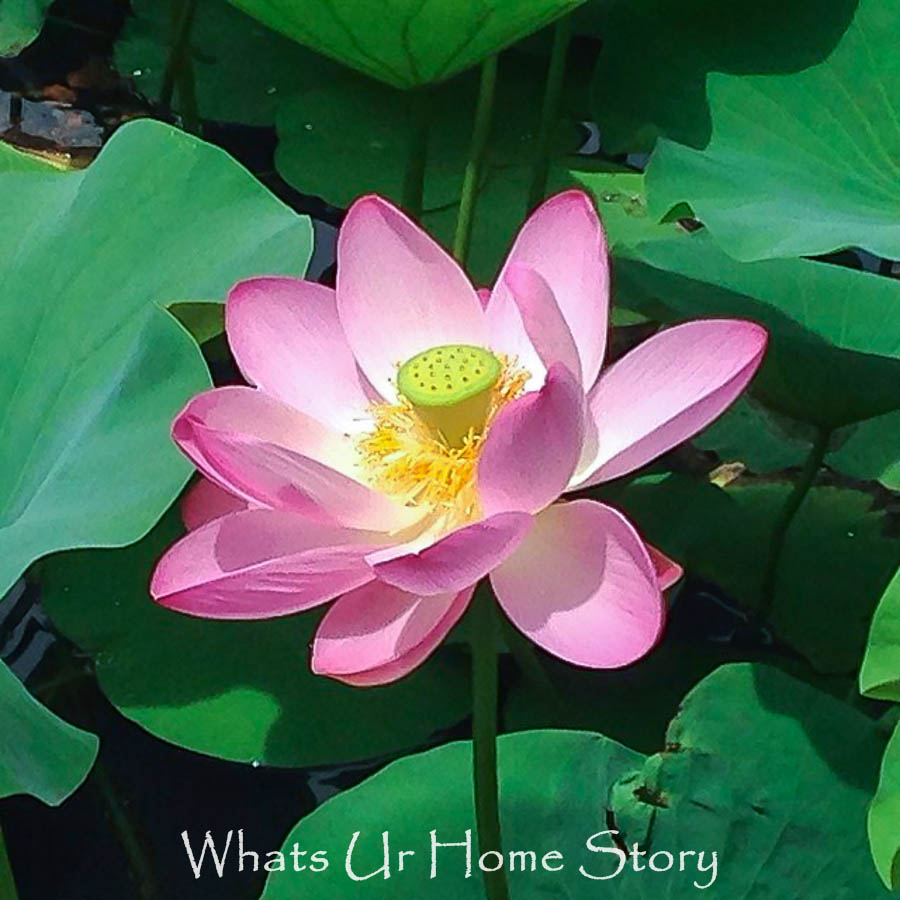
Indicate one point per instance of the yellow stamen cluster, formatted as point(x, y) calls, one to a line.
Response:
point(403, 456)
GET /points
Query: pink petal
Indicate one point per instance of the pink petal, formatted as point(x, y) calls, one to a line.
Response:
point(507, 336)
point(583, 587)
point(205, 501)
point(484, 295)
point(270, 454)
point(533, 446)
point(563, 242)
point(378, 633)
point(399, 292)
point(669, 388)
point(287, 339)
point(668, 572)
point(543, 320)
point(260, 563)
point(456, 561)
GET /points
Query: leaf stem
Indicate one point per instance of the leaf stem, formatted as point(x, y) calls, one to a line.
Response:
point(483, 637)
point(130, 839)
point(7, 882)
point(793, 503)
point(472, 180)
point(417, 152)
point(550, 111)
point(179, 66)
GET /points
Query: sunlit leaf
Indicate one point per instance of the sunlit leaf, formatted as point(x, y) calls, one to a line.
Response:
point(93, 368)
point(801, 163)
point(752, 752)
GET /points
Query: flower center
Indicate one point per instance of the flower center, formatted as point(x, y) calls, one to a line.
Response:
point(424, 450)
point(450, 388)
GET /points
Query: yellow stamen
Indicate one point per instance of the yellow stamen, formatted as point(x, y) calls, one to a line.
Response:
point(405, 457)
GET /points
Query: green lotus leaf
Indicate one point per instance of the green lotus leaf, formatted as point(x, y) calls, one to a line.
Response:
point(803, 163)
point(752, 752)
point(838, 554)
point(40, 754)
point(663, 50)
point(94, 369)
point(884, 814)
point(880, 674)
point(20, 23)
point(407, 43)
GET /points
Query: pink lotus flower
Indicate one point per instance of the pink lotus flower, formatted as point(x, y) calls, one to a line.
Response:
point(408, 436)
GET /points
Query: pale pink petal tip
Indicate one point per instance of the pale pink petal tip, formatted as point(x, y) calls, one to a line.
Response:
point(583, 587)
point(564, 243)
point(287, 340)
point(667, 389)
point(379, 633)
point(544, 322)
point(399, 292)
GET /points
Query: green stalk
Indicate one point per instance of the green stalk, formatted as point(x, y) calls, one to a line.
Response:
point(550, 111)
point(417, 152)
point(483, 639)
point(472, 180)
point(179, 68)
point(793, 503)
point(129, 837)
point(7, 882)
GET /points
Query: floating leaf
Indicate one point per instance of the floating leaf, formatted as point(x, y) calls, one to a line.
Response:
point(235, 690)
point(766, 442)
point(870, 450)
point(554, 787)
point(93, 369)
point(880, 674)
point(40, 754)
point(752, 753)
point(756, 754)
point(884, 814)
point(836, 563)
point(802, 163)
point(20, 23)
point(407, 42)
point(202, 320)
point(751, 434)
